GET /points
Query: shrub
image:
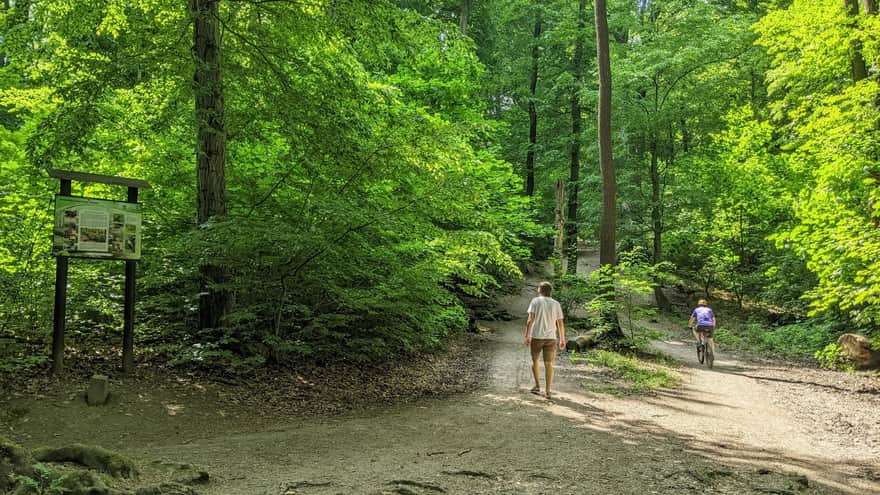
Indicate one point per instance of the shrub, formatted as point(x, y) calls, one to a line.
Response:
point(833, 357)
point(44, 482)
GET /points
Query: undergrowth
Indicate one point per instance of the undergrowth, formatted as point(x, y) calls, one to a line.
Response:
point(799, 341)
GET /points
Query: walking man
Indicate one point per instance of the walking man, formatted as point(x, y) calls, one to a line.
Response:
point(545, 318)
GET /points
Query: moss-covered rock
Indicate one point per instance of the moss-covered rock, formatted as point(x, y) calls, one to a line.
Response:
point(168, 489)
point(14, 461)
point(93, 457)
point(86, 483)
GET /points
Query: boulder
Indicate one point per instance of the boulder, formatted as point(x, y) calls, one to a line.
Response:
point(86, 483)
point(858, 349)
point(581, 342)
point(99, 390)
point(14, 461)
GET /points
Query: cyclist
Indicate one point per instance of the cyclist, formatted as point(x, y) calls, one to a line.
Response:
point(703, 321)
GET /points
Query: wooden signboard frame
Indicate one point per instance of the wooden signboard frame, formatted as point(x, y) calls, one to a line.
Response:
point(61, 268)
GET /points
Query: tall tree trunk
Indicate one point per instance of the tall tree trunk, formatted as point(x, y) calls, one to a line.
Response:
point(608, 230)
point(7, 4)
point(607, 238)
point(657, 218)
point(533, 113)
point(559, 214)
point(859, 69)
point(210, 147)
point(465, 12)
point(577, 69)
point(685, 137)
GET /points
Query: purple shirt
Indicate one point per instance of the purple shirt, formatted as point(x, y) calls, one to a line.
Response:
point(704, 316)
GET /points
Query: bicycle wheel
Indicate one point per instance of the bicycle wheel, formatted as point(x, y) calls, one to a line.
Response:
point(710, 357)
point(701, 352)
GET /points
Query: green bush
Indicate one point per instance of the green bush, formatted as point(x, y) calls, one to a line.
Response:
point(44, 482)
point(573, 292)
point(833, 357)
point(799, 340)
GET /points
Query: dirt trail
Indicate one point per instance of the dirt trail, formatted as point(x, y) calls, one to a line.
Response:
point(723, 431)
point(504, 440)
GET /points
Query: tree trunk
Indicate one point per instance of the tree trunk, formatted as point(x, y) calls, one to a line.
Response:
point(559, 214)
point(7, 4)
point(533, 113)
point(657, 220)
point(858, 67)
point(463, 17)
point(607, 244)
point(571, 231)
point(559, 240)
point(210, 147)
point(607, 236)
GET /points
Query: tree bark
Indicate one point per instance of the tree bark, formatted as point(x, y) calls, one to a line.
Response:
point(657, 219)
point(533, 113)
point(571, 231)
point(7, 4)
point(607, 235)
point(559, 214)
point(607, 241)
point(210, 147)
point(463, 16)
point(859, 69)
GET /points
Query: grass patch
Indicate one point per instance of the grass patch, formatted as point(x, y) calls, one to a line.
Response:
point(633, 375)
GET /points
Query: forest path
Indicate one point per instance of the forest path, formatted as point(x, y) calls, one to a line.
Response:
point(737, 429)
point(819, 423)
point(720, 432)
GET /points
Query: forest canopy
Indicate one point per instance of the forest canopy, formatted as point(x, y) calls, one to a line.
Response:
point(384, 161)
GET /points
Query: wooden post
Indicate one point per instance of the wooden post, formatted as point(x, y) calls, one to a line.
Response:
point(66, 177)
point(130, 284)
point(60, 300)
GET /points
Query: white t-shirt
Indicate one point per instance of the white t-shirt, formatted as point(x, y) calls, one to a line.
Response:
point(547, 311)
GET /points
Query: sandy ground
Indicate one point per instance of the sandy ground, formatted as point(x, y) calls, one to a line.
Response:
point(739, 428)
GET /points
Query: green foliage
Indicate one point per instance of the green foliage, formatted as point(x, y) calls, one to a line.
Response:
point(44, 482)
point(365, 191)
point(829, 125)
point(15, 358)
point(573, 292)
point(834, 357)
point(373, 166)
point(633, 280)
point(799, 340)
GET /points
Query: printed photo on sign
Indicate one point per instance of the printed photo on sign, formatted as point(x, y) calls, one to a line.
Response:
point(96, 228)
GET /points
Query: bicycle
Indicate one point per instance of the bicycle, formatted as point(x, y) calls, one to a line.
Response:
point(704, 350)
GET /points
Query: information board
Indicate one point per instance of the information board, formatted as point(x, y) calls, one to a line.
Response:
point(97, 228)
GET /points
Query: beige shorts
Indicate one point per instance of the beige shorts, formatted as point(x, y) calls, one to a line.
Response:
point(545, 346)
